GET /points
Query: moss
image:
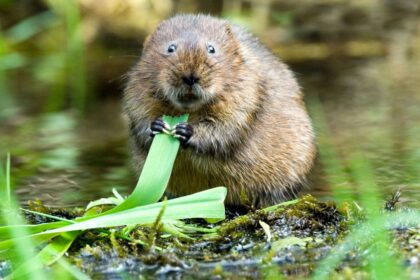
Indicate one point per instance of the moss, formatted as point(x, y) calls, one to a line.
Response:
point(305, 218)
point(38, 206)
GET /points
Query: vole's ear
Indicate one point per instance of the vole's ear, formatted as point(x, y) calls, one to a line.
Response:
point(229, 32)
point(228, 29)
point(146, 42)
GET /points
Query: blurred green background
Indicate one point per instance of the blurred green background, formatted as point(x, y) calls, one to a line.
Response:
point(62, 65)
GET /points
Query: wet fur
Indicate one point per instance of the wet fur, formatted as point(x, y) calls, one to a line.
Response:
point(251, 130)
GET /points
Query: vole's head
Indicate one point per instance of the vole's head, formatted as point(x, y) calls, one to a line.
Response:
point(190, 60)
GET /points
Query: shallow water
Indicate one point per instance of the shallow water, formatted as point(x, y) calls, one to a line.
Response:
point(65, 160)
point(362, 62)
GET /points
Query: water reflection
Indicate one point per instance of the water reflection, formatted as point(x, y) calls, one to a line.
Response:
point(64, 160)
point(372, 106)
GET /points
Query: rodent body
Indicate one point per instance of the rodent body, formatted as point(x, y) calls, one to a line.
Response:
point(251, 131)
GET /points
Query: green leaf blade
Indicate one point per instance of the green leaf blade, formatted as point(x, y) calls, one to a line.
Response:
point(157, 169)
point(206, 204)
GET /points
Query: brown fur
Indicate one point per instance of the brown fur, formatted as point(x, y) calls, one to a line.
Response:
point(251, 130)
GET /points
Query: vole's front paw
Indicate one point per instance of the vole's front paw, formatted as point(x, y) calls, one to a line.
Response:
point(184, 131)
point(158, 126)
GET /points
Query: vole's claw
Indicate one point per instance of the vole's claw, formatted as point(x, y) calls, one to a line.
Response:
point(157, 127)
point(184, 131)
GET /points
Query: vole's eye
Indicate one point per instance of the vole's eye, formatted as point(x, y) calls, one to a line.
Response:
point(211, 49)
point(171, 48)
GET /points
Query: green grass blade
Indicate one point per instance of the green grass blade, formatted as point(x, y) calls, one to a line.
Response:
point(23, 246)
point(206, 204)
point(48, 255)
point(25, 237)
point(214, 194)
point(156, 171)
point(362, 172)
point(30, 229)
point(331, 163)
point(48, 216)
point(73, 57)
point(8, 185)
point(381, 264)
point(5, 185)
point(76, 60)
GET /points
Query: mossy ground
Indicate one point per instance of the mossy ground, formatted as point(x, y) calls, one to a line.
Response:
point(299, 235)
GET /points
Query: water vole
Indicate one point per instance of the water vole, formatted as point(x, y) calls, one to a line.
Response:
point(248, 128)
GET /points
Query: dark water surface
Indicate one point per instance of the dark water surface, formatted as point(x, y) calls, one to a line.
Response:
point(371, 105)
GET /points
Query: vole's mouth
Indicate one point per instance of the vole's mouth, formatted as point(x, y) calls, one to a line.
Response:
point(187, 103)
point(187, 98)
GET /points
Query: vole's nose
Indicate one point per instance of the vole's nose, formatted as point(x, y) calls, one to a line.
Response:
point(190, 80)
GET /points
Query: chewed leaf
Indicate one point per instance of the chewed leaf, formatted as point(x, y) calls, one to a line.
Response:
point(103, 201)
